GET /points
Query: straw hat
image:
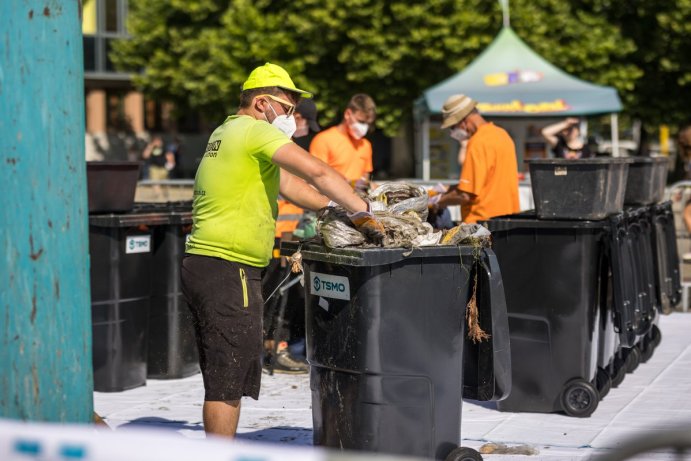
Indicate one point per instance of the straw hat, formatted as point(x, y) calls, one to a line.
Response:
point(456, 108)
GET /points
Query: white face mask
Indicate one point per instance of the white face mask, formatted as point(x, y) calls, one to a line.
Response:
point(459, 134)
point(283, 122)
point(359, 129)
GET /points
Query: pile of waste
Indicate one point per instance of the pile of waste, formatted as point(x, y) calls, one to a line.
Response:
point(402, 209)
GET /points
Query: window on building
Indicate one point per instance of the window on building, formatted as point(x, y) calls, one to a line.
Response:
point(103, 22)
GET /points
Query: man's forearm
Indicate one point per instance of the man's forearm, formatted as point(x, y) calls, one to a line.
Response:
point(455, 197)
point(298, 192)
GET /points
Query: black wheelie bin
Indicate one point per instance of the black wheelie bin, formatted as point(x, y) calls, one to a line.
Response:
point(551, 273)
point(386, 342)
point(647, 178)
point(635, 297)
point(172, 348)
point(666, 256)
point(641, 226)
point(120, 249)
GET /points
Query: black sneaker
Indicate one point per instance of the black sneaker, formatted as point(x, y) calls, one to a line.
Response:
point(287, 364)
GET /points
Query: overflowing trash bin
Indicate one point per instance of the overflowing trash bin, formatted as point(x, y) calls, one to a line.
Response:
point(390, 359)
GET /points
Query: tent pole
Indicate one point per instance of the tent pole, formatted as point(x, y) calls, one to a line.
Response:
point(615, 135)
point(505, 12)
point(425, 148)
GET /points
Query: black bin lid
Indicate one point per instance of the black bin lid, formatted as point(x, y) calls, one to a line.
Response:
point(360, 257)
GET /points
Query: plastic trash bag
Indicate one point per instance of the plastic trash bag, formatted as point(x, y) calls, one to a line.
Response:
point(399, 197)
point(467, 234)
point(336, 230)
point(404, 230)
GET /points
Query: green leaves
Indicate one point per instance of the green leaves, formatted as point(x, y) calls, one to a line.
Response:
point(198, 52)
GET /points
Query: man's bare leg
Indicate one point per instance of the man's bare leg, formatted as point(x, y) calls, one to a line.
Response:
point(221, 418)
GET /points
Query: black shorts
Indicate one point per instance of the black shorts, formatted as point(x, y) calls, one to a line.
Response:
point(226, 302)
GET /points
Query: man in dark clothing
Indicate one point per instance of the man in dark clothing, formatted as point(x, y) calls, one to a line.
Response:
point(306, 122)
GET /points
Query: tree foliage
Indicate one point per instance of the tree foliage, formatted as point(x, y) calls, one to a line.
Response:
point(198, 52)
point(660, 31)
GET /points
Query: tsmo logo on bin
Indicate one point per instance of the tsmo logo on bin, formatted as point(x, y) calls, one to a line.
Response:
point(138, 244)
point(329, 286)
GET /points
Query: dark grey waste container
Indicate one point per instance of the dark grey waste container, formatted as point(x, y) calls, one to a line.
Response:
point(551, 279)
point(172, 350)
point(666, 255)
point(111, 186)
point(120, 249)
point(385, 341)
point(646, 182)
point(579, 301)
point(586, 189)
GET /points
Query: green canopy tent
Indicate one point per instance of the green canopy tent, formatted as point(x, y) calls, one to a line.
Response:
point(510, 80)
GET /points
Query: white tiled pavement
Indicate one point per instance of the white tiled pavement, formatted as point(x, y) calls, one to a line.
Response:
point(656, 397)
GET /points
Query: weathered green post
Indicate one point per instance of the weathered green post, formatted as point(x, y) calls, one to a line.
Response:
point(45, 320)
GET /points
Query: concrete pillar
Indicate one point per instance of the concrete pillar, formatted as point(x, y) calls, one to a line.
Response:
point(45, 313)
point(134, 111)
point(96, 111)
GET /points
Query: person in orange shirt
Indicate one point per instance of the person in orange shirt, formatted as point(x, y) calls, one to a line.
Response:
point(344, 147)
point(488, 185)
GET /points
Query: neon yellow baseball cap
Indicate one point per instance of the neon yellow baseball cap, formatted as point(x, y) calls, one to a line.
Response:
point(272, 75)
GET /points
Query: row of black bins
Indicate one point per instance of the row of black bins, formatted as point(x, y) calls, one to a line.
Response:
point(583, 300)
point(141, 324)
point(386, 337)
point(388, 348)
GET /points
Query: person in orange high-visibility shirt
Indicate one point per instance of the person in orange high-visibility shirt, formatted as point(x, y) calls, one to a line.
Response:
point(488, 185)
point(344, 146)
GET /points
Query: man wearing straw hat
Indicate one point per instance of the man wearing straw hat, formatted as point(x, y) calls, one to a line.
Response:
point(489, 179)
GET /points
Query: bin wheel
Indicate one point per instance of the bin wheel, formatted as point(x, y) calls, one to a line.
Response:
point(633, 359)
point(656, 335)
point(603, 382)
point(580, 398)
point(464, 454)
point(647, 349)
point(619, 372)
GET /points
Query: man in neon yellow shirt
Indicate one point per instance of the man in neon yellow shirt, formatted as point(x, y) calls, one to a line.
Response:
point(234, 209)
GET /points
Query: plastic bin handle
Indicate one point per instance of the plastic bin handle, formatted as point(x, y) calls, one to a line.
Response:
point(500, 327)
point(494, 376)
